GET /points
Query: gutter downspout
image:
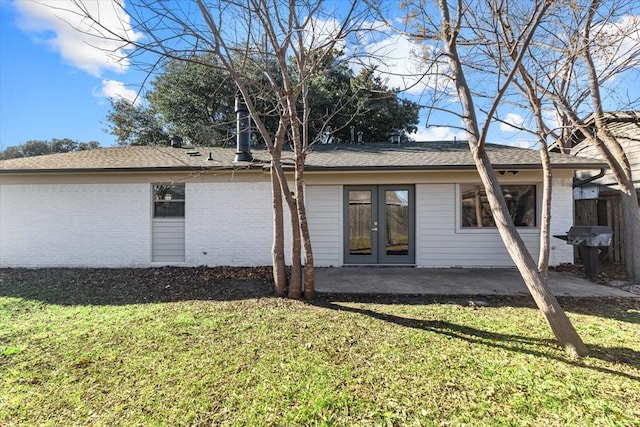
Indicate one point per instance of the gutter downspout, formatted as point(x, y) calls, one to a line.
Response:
point(582, 182)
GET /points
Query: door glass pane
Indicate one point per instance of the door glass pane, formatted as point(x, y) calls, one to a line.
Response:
point(360, 223)
point(397, 222)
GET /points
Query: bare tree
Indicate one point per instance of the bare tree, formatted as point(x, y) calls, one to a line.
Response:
point(579, 57)
point(466, 38)
point(600, 44)
point(271, 49)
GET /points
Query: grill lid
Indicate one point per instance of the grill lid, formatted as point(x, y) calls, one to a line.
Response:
point(588, 235)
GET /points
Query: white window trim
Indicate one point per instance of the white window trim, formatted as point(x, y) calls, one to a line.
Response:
point(153, 200)
point(494, 230)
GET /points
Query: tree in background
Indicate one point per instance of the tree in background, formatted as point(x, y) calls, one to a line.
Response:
point(378, 111)
point(40, 148)
point(133, 124)
point(338, 99)
point(195, 100)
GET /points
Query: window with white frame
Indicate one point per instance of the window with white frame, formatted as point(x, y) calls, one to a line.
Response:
point(168, 201)
point(476, 212)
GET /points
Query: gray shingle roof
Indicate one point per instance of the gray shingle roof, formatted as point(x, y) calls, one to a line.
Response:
point(433, 156)
point(410, 156)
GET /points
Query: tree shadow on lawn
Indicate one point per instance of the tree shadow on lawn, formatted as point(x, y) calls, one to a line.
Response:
point(617, 308)
point(515, 343)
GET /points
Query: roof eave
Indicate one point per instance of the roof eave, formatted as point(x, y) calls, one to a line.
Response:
point(132, 169)
point(309, 168)
point(582, 166)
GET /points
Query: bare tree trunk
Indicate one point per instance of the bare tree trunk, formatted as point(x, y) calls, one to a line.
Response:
point(277, 252)
point(631, 218)
point(309, 280)
point(558, 321)
point(547, 303)
point(545, 217)
point(295, 281)
point(529, 90)
point(614, 155)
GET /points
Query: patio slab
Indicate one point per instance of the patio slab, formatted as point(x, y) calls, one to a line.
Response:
point(450, 281)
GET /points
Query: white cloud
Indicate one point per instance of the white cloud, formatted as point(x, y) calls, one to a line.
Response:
point(552, 119)
point(61, 25)
point(512, 122)
point(618, 43)
point(400, 62)
point(116, 89)
point(320, 32)
point(439, 133)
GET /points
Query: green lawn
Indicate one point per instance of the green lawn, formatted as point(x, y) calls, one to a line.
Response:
point(267, 361)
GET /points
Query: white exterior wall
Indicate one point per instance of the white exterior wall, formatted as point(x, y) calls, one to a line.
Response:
point(439, 240)
point(324, 213)
point(230, 223)
point(561, 220)
point(441, 243)
point(75, 225)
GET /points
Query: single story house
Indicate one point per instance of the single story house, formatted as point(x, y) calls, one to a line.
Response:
point(415, 204)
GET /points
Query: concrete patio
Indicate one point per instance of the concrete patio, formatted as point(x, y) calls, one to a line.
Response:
point(450, 281)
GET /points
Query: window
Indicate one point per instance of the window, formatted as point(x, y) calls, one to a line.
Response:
point(168, 201)
point(476, 212)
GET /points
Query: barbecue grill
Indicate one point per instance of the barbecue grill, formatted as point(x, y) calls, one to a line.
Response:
point(591, 238)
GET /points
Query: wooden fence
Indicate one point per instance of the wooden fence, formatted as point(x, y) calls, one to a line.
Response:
point(606, 210)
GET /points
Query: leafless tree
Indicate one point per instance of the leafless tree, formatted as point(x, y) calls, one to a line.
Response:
point(585, 54)
point(579, 57)
point(466, 53)
point(271, 49)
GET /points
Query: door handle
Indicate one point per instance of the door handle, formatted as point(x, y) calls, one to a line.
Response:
point(374, 229)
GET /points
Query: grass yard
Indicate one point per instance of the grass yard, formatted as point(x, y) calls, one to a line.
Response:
point(103, 349)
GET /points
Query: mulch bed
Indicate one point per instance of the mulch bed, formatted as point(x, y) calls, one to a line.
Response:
point(136, 285)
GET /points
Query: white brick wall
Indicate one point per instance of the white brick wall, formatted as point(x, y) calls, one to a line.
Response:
point(229, 223)
point(561, 220)
point(88, 225)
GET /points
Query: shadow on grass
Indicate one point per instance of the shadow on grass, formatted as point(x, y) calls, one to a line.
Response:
point(515, 343)
point(622, 309)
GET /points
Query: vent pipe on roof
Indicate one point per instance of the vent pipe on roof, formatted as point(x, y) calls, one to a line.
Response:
point(176, 141)
point(243, 131)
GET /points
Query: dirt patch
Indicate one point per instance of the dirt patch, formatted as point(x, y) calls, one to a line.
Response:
point(613, 275)
point(100, 286)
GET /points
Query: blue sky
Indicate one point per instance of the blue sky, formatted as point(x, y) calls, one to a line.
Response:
point(54, 84)
point(46, 94)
